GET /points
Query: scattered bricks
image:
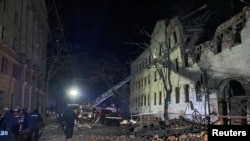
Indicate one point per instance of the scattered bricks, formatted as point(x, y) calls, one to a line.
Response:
point(139, 128)
point(205, 138)
point(182, 137)
point(155, 138)
point(172, 138)
point(132, 136)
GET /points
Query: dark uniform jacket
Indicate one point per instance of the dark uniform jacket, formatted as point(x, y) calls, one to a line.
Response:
point(69, 117)
point(35, 120)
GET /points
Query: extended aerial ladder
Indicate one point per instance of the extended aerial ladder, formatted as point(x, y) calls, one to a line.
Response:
point(111, 91)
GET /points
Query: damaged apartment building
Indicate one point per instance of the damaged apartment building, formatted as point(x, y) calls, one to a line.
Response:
point(204, 82)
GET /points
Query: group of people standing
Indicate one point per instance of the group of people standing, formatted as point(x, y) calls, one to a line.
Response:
point(14, 121)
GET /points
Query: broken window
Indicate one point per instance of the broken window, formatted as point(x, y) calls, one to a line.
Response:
point(136, 102)
point(154, 98)
point(149, 59)
point(169, 43)
point(142, 100)
point(186, 92)
point(236, 32)
point(139, 101)
point(204, 79)
point(160, 50)
point(160, 97)
point(185, 60)
point(177, 94)
point(197, 53)
point(148, 99)
point(176, 65)
point(175, 37)
point(198, 91)
point(227, 40)
point(218, 44)
point(155, 76)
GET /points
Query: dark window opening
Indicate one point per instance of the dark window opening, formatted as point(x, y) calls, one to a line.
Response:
point(175, 37)
point(149, 79)
point(142, 100)
point(136, 102)
point(160, 98)
point(4, 68)
point(148, 99)
point(177, 95)
point(186, 60)
point(198, 91)
point(176, 65)
point(236, 32)
point(154, 98)
point(186, 91)
point(155, 76)
point(218, 44)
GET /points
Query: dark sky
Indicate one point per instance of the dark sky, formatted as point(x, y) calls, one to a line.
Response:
point(98, 26)
point(105, 25)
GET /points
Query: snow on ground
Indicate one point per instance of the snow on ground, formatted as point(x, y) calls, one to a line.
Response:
point(83, 132)
point(52, 133)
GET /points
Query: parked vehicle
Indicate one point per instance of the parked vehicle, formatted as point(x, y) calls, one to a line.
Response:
point(108, 115)
point(86, 115)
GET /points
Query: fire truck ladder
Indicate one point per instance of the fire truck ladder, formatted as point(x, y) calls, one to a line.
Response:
point(110, 92)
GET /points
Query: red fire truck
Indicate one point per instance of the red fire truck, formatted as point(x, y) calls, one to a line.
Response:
point(107, 115)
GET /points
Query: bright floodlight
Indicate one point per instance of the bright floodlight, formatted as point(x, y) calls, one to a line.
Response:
point(73, 93)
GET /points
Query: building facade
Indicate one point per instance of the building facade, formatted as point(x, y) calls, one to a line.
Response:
point(23, 42)
point(224, 59)
point(208, 80)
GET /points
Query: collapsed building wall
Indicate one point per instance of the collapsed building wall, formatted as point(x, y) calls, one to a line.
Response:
point(226, 64)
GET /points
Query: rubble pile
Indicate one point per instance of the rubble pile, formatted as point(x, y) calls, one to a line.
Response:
point(179, 129)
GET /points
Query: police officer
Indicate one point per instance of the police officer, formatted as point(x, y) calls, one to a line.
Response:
point(25, 115)
point(35, 122)
point(7, 122)
point(69, 116)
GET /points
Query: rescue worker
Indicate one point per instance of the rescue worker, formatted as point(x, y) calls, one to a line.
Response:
point(25, 115)
point(9, 121)
point(69, 116)
point(16, 126)
point(35, 123)
point(6, 134)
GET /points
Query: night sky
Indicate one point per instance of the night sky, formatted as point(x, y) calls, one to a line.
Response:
point(98, 26)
